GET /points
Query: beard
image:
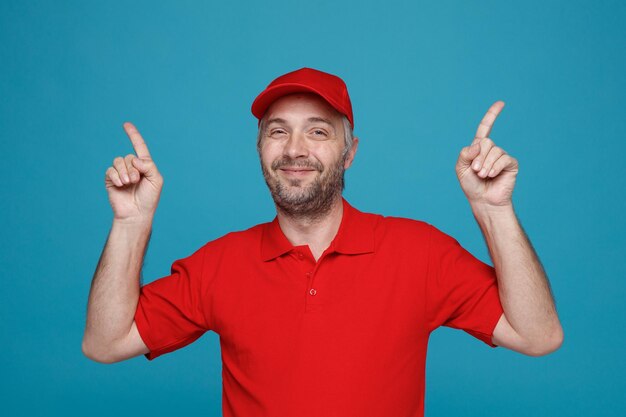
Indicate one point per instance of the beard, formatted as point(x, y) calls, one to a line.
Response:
point(294, 198)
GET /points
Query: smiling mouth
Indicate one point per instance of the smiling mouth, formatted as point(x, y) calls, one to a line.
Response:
point(296, 171)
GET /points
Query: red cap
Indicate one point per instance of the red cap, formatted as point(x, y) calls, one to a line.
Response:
point(330, 87)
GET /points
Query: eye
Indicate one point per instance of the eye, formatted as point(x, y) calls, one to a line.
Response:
point(277, 132)
point(319, 132)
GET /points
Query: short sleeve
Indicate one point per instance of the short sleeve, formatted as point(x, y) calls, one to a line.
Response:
point(170, 312)
point(462, 291)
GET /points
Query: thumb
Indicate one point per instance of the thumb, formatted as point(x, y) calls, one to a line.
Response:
point(468, 154)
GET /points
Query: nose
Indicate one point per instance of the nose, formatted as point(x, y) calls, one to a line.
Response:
point(295, 146)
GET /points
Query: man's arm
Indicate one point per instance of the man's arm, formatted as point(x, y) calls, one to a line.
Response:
point(487, 175)
point(110, 333)
point(530, 324)
point(134, 186)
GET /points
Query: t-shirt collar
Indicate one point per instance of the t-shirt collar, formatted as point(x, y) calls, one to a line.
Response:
point(355, 235)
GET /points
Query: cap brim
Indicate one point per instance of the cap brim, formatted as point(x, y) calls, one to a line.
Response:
point(267, 97)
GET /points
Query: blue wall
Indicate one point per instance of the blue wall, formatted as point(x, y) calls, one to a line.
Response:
point(421, 75)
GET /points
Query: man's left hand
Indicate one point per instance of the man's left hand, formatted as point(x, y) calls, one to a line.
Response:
point(486, 172)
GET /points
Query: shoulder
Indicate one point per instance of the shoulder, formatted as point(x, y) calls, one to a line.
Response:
point(394, 233)
point(397, 230)
point(238, 241)
point(402, 228)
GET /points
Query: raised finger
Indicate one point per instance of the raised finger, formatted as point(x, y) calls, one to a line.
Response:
point(485, 146)
point(484, 128)
point(133, 173)
point(493, 155)
point(120, 166)
point(141, 149)
point(112, 176)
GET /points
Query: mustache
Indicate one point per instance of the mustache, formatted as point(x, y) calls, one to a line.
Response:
point(296, 163)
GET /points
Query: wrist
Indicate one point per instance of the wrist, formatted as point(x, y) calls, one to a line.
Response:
point(133, 225)
point(488, 215)
point(485, 209)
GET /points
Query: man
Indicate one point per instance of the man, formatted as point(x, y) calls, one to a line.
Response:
point(325, 311)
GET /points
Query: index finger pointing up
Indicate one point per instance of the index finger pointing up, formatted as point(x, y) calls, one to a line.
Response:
point(141, 149)
point(484, 128)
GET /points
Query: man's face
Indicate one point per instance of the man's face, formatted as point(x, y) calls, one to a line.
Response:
point(302, 154)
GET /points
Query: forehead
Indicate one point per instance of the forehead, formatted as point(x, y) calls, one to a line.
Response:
point(302, 105)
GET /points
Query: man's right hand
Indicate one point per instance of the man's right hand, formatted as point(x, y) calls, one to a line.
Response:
point(133, 183)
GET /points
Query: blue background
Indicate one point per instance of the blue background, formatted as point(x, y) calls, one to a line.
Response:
point(420, 74)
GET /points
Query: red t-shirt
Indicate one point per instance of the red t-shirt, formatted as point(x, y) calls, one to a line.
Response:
point(343, 336)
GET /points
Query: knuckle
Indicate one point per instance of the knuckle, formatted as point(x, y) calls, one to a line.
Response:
point(507, 162)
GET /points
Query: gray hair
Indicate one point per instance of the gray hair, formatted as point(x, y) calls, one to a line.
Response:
point(348, 135)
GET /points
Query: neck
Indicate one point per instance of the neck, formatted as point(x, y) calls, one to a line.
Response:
point(315, 231)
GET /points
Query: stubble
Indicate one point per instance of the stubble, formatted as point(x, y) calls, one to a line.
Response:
point(294, 198)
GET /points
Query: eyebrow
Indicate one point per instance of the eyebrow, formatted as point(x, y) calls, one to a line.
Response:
point(276, 120)
point(320, 119)
point(310, 120)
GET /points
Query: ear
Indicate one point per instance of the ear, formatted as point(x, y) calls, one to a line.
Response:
point(350, 156)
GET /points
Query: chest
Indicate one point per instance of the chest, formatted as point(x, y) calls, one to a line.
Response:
point(295, 306)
